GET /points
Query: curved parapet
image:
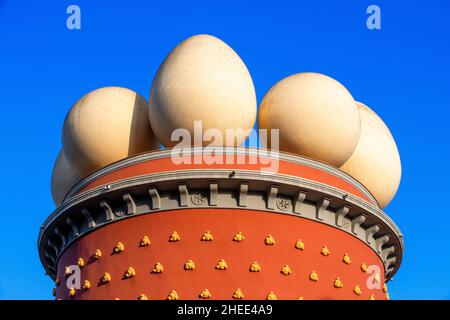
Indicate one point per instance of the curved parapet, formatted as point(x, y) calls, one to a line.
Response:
point(257, 194)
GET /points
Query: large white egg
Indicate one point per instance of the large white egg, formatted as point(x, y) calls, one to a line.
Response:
point(202, 79)
point(376, 161)
point(104, 126)
point(316, 117)
point(63, 178)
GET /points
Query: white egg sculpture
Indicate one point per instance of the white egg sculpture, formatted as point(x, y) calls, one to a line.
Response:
point(202, 79)
point(375, 161)
point(316, 117)
point(104, 126)
point(63, 178)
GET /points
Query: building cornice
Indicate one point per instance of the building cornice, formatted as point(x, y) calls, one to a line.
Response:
point(84, 212)
point(235, 151)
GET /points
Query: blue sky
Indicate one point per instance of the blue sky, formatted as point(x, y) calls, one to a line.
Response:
point(401, 71)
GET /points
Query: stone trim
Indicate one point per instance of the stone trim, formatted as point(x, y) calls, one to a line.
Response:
point(240, 151)
point(276, 193)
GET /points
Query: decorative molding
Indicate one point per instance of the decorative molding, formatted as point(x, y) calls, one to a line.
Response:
point(183, 194)
point(303, 184)
point(131, 205)
point(199, 198)
point(271, 197)
point(73, 226)
point(213, 191)
point(356, 224)
point(165, 191)
point(61, 236)
point(321, 206)
point(89, 219)
point(243, 189)
point(109, 215)
point(298, 202)
point(380, 242)
point(239, 151)
point(156, 200)
point(283, 203)
point(51, 245)
point(341, 213)
point(388, 251)
point(370, 232)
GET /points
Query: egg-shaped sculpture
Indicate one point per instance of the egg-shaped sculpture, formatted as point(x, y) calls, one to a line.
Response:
point(316, 117)
point(375, 161)
point(63, 178)
point(202, 82)
point(104, 126)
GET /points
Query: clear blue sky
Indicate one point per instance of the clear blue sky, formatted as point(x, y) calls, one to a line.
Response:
point(401, 71)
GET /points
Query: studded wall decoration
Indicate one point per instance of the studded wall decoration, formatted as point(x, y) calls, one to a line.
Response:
point(238, 294)
point(338, 283)
point(325, 251)
point(286, 270)
point(173, 295)
point(145, 241)
point(239, 237)
point(269, 240)
point(313, 276)
point(97, 254)
point(129, 273)
point(346, 259)
point(106, 278)
point(205, 294)
point(158, 268)
point(357, 290)
point(174, 237)
point(364, 267)
point(271, 296)
point(86, 285)
point(80, 262)
point(255, 267)
point(189, 265)
point(142, 297)
point(207, 236)
point(119, 247)
point(283, 270)
point(222, 265)
point(269, 229)
point(299, 245)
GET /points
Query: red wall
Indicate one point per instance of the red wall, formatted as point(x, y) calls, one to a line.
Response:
point(285, 167)
point(223, 224)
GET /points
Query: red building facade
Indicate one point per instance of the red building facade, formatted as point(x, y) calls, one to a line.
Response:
point(149, 227)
